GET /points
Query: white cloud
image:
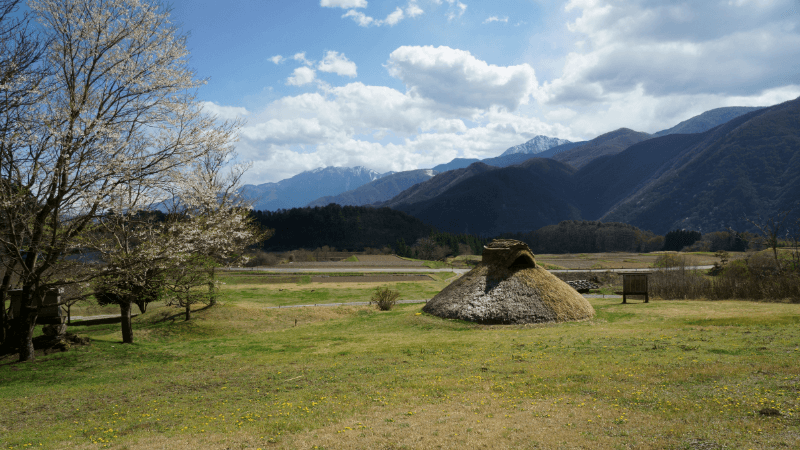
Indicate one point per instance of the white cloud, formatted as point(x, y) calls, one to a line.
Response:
point(277, 59)
point(455, 77)
point(363, 20)
point(645, 65)
point(224, 112)
point(301, 76)
point(346, 4)
point(412, 10)
point(360, 18)
point(301, 57)
point(496, 19)
point(456, 9)
point(340, 127)
point(669, 48)
point(338, 63)
point(395, 17)
point(441, 125)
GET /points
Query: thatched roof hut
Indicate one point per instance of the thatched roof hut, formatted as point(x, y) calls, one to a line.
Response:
point(508, 287)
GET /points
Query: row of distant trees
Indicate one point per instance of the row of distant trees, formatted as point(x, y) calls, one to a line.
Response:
point(574, 236)
point(99, 122)
point(358, 228)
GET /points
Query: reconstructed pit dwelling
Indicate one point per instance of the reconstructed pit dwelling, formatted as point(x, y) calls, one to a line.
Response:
point(508, 287)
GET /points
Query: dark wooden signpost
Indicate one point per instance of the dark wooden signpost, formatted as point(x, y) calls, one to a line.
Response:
point(634, 283)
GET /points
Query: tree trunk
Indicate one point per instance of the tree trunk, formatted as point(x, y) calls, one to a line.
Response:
point(25, 325)
point(3, 296)
point(127, 329)
point(212, 299)
point(2, 317)
point(188, 311)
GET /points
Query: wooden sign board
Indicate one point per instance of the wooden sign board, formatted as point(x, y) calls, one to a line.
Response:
point(634, 283)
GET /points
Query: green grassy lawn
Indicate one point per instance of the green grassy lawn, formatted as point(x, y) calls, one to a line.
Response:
point(305, 292)
point(663, 375)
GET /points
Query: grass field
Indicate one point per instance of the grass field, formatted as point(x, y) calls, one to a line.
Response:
point(663, 375)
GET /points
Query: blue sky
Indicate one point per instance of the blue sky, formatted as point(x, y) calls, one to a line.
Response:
point(400, 85)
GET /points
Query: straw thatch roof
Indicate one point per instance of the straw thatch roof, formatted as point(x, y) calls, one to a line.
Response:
point(508, 287)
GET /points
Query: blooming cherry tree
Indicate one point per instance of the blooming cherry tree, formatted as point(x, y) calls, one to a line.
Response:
point(118, 116)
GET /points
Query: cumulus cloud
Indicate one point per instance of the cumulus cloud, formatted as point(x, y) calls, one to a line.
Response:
point(455, 77)
point(301, 57)
point(441, 125)
point(455, 10)
point(346, 4)
point(301, 76)
point(224, 112)
point(363, 20)
point(341, 127)
point(277, 59)
point(360, 18)
point(339, 64)
point(395, 17)
point(496, 19)
point(671, 48)
point(645, 65)
point(413, 10)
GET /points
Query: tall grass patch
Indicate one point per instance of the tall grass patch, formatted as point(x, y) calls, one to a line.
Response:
point(758, 277)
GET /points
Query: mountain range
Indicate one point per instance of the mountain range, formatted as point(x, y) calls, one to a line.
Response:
point(707, 120)
point(378, 190)
point(439, 193)
point(307, 186)
point(536, 145)
point(748, 167)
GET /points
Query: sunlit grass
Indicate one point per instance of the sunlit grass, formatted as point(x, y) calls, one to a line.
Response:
point(657, 375)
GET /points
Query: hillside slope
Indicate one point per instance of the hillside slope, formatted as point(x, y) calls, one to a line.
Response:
point(606, 144)
point(307, 186)
point(748, 167)
point(379, 190)
point(708, 120)
point(436, 185)
point(517, 198)
point(536, 145)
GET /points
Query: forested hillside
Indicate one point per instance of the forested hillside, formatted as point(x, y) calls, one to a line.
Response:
point(607, 144)
point(746, 168)
point(343, 227)
point(517, 198)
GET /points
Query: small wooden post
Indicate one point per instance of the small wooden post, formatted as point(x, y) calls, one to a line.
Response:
point(634, 283)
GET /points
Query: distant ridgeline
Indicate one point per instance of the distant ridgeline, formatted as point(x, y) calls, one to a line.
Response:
point(352, 228)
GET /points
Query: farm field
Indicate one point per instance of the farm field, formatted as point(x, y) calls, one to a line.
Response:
point(617, 260)
point(668, 374)
point(624, 260)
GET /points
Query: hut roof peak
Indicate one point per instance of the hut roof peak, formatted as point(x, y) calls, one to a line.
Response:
point(508, 254)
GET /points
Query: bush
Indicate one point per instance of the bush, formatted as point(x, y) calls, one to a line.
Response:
point(262, 258)
point(756, 278)
point(674, 260)
point(384, 298)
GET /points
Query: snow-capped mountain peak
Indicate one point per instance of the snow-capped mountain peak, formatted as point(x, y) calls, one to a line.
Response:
point(536, 145)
